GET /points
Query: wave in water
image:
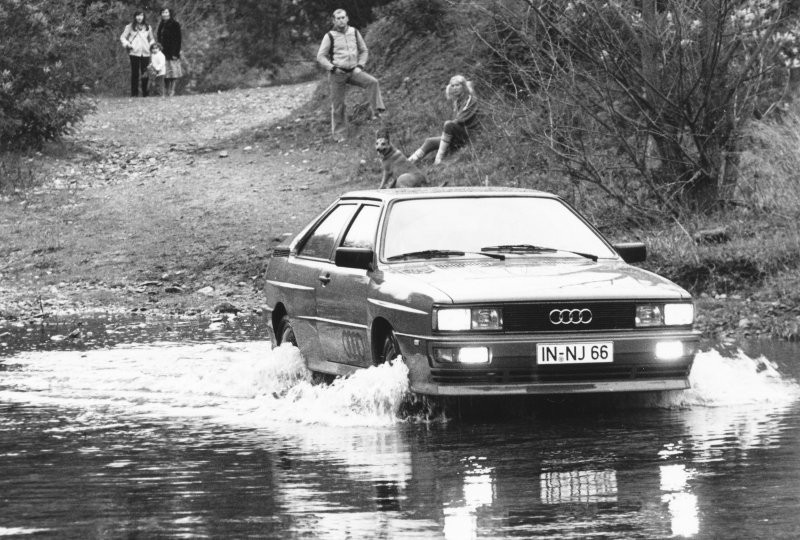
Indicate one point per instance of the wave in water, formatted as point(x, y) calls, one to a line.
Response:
point(720, 381)
point(249, 383)
point(246, 382)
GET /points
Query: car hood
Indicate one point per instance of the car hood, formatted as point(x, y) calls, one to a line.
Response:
point(541, 279)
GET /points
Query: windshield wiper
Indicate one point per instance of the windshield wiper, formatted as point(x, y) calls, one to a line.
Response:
point(589, 256)
point(427, 254)
point(518, 248)
point(436, 253)
point(530, 248)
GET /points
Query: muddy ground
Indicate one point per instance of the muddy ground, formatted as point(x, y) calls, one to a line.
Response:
point(168, 205)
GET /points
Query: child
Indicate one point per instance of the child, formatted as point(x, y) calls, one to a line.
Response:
point(157, 68)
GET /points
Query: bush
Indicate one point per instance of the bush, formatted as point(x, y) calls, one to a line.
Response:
point(770, 163)
point(658, 89)
point(416, 17)
point(41, 89)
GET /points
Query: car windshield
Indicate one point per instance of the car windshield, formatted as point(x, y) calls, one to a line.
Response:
point(503, 224)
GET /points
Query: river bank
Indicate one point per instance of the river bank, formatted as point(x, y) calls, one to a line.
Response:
point(175, 214)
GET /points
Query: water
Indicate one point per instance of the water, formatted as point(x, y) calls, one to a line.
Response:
point(197, 429)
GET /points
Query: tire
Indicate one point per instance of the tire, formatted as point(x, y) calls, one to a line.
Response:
point(285, 332)
point(390, 349)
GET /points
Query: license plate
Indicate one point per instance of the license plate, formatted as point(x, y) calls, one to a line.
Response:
point(575, 353)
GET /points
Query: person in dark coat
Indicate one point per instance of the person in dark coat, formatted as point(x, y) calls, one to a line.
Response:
point(169, 37)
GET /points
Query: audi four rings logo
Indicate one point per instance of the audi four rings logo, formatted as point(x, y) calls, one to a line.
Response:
point(570, 316)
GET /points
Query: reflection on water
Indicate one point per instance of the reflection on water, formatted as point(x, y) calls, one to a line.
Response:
point(230, 439)
point(578, 487)
point(477, 491)
point(681, 501)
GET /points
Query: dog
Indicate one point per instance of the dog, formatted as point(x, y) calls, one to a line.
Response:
point(398, 171)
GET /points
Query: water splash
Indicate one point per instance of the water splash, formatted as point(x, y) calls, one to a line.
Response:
point(21, 531)
point(370, 396)
point(248, 383)
point(243, 382)
point(719, 381)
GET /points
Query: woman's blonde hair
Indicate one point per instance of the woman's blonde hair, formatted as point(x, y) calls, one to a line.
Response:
point(464, 82)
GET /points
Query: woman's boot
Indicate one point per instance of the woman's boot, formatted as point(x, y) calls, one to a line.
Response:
point(444, 144)
point(417, 155)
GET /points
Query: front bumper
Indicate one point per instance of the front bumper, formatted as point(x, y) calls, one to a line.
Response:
point(652, 385)
point(513, 368)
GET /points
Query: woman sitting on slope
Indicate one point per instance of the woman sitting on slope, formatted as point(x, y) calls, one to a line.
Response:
point(456, 132)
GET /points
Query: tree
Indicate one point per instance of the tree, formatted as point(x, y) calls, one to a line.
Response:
point(645, 99)
point(41, 87)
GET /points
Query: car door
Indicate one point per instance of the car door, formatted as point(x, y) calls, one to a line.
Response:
point(309, 266)
point(342, 297)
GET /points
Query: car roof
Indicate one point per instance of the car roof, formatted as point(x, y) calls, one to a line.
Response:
point(435, 192)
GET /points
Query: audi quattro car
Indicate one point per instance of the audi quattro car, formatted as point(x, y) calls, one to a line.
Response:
point(481, 291)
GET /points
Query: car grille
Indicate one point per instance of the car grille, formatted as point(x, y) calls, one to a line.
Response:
point(554, 374)
point(535, 317)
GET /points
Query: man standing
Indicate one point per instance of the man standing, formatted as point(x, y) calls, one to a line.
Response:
point(343, 53)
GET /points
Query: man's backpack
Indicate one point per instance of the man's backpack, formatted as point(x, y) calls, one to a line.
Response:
point(330, 37)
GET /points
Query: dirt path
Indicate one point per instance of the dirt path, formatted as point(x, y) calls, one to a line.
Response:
point(168, 205)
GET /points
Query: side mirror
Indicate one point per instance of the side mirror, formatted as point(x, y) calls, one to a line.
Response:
point(631, 252)
point(360, 258)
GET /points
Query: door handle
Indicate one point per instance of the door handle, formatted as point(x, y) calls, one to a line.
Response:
point(325, 278)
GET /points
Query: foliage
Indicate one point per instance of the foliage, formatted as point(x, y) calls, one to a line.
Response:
point(770, 163)
point(41, 81)
point(415, 17)
point(645, 100)
point(266, 34)
point(263, 30)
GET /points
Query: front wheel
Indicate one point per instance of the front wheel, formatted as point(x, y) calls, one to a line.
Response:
point(390, 349)
point(285, 332)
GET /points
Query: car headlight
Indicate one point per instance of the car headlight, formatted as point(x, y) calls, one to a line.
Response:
point(463, 355)
point(678, 314)
point(669, 350)
point(650, 315)
point(459, 319)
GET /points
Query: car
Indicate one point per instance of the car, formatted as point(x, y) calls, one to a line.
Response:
point(481, 291)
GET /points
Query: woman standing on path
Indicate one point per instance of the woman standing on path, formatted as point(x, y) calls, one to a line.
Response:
point(137, 38)
point(169, 36)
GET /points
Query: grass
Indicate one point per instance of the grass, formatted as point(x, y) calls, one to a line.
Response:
point(764, 247)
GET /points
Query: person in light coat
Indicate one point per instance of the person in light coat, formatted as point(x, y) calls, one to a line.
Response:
point(137, 38)
point(157, 69)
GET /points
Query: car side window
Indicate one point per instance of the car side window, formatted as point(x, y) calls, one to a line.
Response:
point(320, 244)
point(361, 233)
